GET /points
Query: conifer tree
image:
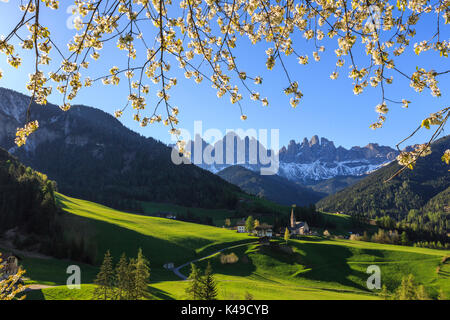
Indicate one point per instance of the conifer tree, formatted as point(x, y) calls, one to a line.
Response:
point(122, 278)
point(130, 292)
point(141, 276)
point(407, 289)
point(421, 293)
point(194, 289)
point(249, 296)
point(384, 293)
point(209, 290)
point(105, 279)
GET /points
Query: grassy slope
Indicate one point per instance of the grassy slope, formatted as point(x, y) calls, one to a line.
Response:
point(218, 215)
point(162, 240)
point(318, 269)
point(333, 266)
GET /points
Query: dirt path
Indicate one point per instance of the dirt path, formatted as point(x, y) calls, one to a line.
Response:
point(37, 287)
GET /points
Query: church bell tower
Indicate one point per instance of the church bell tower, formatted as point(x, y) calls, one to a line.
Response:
point(293, 222)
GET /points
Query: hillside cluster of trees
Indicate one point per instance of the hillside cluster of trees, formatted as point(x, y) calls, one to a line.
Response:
point(410, 289)
point(26, 198)
point(189, 216)
point(128, 280)
point(417, 201)
point(202, 285)
point(28, 208)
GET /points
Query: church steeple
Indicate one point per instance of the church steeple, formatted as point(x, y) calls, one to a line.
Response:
point(293, 222)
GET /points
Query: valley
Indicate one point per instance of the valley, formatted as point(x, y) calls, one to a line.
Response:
point(317, 268)
point(79, 190)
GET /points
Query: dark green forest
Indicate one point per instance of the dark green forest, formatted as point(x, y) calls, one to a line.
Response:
point(93, 156)
point(417, 199)
point(26, 197)
point(28, 208)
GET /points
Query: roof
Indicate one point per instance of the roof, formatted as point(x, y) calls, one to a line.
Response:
point(263, 227)
point(240, 223)
point(5, 255)
point(298, 225)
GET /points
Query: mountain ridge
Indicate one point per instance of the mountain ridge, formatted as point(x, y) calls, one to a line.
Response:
point(306, 162)
point(93, 156)
point(418, 196)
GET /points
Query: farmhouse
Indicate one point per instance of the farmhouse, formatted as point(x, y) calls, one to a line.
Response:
point(167, 215)
point(10, 265)
point(264, 230)
point(300, 227)
point(240, 226)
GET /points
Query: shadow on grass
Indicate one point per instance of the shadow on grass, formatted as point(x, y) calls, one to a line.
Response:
point(34, 295)
point(242, 268)
point(329, 263)
point(326, 263)
point(159, 294)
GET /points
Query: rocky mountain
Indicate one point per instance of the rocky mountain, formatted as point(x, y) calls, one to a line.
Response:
point(271, 187)
point(307, 162)
point(231, 150)
point(91, 155)
point(319, 159)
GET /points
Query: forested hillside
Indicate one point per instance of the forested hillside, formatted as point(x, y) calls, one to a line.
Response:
point(91, 155)
point(419, 197)
point(26, 197)
point(273, 188)
point(30, 218)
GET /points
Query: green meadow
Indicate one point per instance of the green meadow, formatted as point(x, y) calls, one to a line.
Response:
point(307, 268)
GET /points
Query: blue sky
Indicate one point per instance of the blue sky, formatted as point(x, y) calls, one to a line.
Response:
point(329, 108)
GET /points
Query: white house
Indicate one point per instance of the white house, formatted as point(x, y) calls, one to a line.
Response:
point(241, 226)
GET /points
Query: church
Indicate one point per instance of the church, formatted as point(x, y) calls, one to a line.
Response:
point(297, 227)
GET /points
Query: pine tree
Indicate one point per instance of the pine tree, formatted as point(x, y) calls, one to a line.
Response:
point(141, 276)
point(122, 278)
point(249, 296)
point(407, 290)
point(384, 292)
point(194, 289)
point(105, 279)
point(286, 235)
point(209, 290)
point(421, 293)
point(130, 292)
